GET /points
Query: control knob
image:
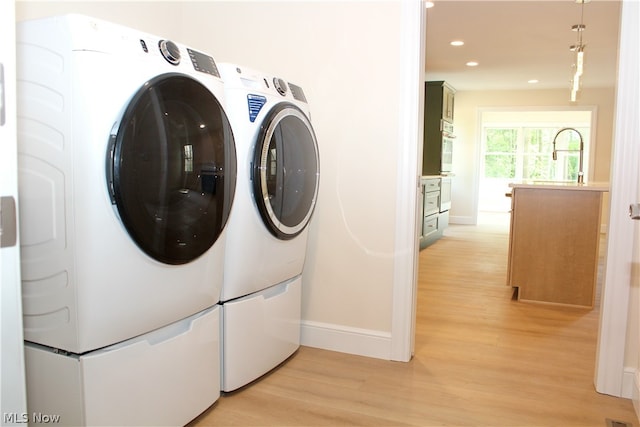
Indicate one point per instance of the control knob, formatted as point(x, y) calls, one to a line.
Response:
point(280, 85)
point(170, 51)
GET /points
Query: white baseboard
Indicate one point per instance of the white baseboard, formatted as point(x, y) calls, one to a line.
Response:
point(629, 383)
point(636, 395)
point(361, 342)
point(631, 388)
point(462, 220)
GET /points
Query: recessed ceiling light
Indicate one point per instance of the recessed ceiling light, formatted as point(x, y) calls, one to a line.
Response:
point(532, 81)
point(472, 64)
point(428, 4)
point(457, 43)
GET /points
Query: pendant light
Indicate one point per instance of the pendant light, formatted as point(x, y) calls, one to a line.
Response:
point(578, 48)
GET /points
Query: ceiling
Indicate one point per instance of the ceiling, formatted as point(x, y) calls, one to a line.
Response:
point(515, 41)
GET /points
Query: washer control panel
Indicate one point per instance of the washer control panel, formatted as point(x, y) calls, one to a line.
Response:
point(280, 85)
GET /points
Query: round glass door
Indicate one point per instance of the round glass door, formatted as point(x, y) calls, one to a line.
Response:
point(286, 171)
point(172, 169)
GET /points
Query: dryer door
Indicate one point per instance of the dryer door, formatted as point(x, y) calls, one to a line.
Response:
point(171, 168)
point(286, 171)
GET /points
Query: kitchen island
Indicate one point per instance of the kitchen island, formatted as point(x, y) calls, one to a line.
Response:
point(554, 241)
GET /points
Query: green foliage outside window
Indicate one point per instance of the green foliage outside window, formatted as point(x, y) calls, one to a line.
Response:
point(500, 159)
point(526, 153)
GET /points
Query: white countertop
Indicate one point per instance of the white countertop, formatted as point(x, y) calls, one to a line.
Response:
point(561, 185)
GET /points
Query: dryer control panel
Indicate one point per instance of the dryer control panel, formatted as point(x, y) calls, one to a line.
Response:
point(203, 63)
point(171, 52)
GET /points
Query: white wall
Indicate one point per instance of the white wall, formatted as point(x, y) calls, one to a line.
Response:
point(466, 149)
point(346, 56)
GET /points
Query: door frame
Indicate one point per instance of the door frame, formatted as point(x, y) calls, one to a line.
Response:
point(13, 398)
point(609, 369)
point(610, 377)
point(409, 167)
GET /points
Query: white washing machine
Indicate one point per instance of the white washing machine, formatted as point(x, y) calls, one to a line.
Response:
point(126, 177)
point(276, 193)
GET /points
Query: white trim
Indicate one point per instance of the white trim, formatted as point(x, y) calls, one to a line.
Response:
point(630, 384)
point(463, 220)
point(404, 297)
point(13, 397)
point(610, 354)
point(345, 339)
point(635, 396)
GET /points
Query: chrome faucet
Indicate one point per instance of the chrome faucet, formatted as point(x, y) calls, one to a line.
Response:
point(555, 152)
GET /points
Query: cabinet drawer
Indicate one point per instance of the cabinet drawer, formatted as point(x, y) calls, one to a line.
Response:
point(431, 184)
point(429, 225)
point(431, 203)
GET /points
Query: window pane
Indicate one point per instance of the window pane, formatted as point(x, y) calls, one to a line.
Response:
point(537, 154)
point(500, 149)
point(570, 167)
point(538, 140)
point(501, 140)
point(537, 167)
point(500, 166)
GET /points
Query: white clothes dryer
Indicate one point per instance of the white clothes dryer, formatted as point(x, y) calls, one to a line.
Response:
point(276, 193)
point(126, 177)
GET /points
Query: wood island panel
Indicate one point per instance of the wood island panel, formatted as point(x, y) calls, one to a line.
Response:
point(553, 248)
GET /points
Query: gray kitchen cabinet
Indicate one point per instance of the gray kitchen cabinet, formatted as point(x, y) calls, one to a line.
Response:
point(438, 128)
point(434, 218)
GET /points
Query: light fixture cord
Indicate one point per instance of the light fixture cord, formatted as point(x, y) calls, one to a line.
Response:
point(581, 28)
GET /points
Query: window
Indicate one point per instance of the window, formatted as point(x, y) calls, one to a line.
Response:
point(500, 147)
point(518, 146)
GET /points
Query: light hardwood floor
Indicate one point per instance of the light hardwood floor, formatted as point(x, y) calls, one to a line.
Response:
point(481, 359)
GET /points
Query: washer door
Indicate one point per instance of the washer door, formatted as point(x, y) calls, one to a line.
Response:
point(286, 171)
point(171, 168)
